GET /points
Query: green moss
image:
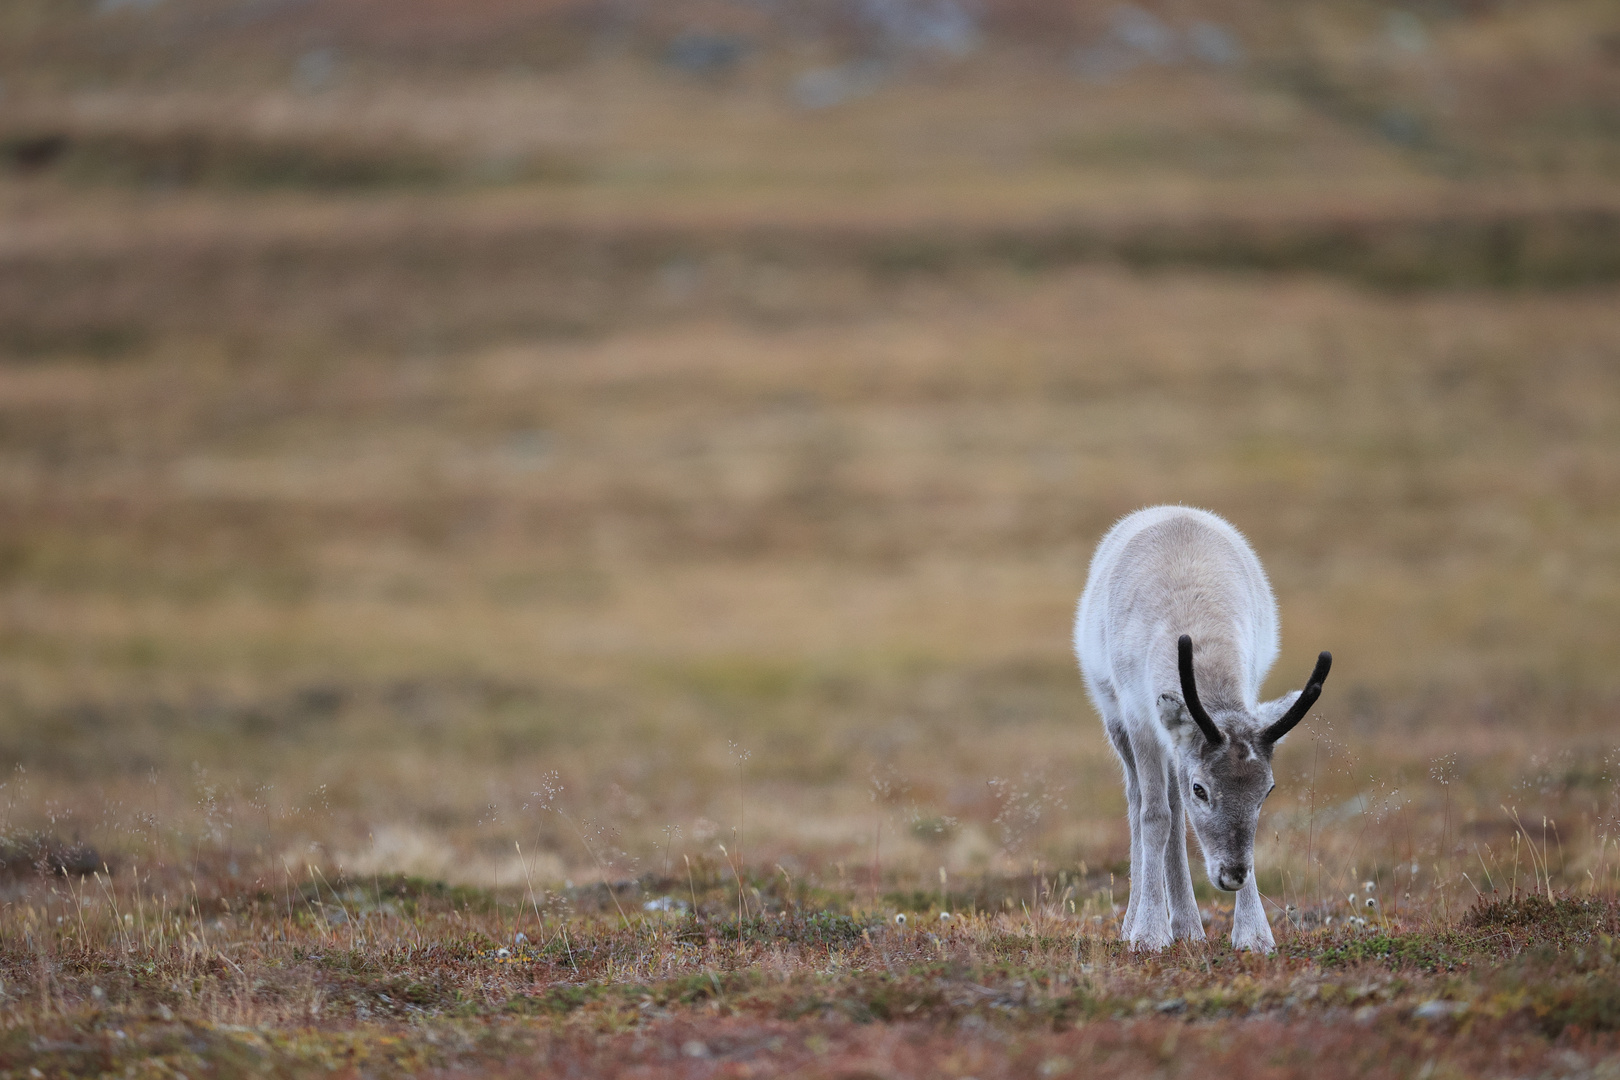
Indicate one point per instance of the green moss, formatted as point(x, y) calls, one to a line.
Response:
point(1426, 952)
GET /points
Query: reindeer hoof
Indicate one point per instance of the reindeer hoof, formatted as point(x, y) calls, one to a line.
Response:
point(1260, 943)
point(1151, 940)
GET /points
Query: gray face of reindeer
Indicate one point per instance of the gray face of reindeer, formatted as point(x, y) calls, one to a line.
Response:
point(1223, 787)
point(1225, 766)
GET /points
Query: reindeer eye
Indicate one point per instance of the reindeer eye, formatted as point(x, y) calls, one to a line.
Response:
point(1198, 790)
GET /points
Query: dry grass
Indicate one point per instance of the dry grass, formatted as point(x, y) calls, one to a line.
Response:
point(591, 485)
point(847, 546)
point(394, 977)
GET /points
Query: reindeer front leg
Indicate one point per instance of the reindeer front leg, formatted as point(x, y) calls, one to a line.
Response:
point(1250, 929)
point(1120, 737)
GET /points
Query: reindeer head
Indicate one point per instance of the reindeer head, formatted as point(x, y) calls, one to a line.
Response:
point(1225, 768)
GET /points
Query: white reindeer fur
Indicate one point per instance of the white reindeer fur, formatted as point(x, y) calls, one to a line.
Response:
point(1160, 573)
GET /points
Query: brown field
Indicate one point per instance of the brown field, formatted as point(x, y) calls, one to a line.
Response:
point(470, 471)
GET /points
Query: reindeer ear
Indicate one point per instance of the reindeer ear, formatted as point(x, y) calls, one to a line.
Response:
point(1271, 711)
point(1179, 723)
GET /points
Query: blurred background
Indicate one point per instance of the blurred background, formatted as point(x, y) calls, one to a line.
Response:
point(423, 420)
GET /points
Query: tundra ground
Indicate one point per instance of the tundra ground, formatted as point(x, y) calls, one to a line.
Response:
point(469, 477)
point(400, 977)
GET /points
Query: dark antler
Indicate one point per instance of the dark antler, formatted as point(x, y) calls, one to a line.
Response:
point(1302, 704)
point(1189, 693)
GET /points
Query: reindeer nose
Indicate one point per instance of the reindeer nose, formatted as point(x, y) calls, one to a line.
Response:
point(1233, 877)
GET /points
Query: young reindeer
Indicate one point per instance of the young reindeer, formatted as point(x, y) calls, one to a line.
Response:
point(1175, 632)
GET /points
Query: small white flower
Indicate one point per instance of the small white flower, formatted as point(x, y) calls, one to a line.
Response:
point(944, 916)
point(1371, 902)
point(900, 919)
point(1352, 899)
point(1369, 886)
point(502, 954)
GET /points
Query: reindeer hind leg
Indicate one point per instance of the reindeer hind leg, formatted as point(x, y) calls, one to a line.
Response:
point(1185, 921)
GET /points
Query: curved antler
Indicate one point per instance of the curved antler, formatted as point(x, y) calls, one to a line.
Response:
point(1189, 693)
point(1302, 704)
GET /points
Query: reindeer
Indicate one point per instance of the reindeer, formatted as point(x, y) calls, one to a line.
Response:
point(1175, 633)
